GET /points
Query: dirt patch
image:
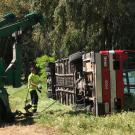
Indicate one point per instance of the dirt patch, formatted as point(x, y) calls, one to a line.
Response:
point(26, 130)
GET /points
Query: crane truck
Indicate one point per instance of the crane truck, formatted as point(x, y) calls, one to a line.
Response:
point(102, 82)
point(11, 29)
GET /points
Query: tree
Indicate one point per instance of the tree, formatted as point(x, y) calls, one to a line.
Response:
point(86, 25)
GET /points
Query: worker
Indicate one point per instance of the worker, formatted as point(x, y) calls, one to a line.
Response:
point(33, 81)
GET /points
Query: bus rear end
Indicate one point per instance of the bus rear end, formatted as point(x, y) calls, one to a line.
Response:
point(115, 81)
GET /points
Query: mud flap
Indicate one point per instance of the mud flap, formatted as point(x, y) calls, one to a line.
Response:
point(101, 109)
point(117, 104)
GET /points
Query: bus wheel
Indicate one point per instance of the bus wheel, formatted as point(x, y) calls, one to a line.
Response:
point(75, 57)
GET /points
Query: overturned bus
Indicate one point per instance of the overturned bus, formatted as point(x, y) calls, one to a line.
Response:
point(102, 82)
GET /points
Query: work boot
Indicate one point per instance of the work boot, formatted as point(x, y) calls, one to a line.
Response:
point(34, 110)
point(27, 107)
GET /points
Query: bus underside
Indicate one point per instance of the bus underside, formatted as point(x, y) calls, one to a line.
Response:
point(101, 82)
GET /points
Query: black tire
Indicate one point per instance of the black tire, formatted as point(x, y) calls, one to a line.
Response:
point(49, 89)
point(49, 82)
point(46, 64)
point(75, 57)
point(49, 64)
point(5, 117)
point(3, 112)
point(10, 117)
point(49, 94)
point(48, 74)
point(48, 69)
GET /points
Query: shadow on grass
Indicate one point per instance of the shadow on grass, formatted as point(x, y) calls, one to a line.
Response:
point(24, 120)
point(58, 113)
point(19, 120)
point(75, 113)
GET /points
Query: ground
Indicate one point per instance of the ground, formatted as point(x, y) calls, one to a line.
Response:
point(59, 119)
point(26, 130)
point(24, 125)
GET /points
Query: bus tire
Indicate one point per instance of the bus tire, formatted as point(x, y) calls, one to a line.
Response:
point(48, 69)
point(75, 57)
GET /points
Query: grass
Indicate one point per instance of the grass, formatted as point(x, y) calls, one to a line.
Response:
point(67, 122)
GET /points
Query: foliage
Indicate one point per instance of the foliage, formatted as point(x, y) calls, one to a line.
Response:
point(30, 50)
point(87, 25)
point(79, 25)
point(72, 26)
point(40, 63)
point(15, 6)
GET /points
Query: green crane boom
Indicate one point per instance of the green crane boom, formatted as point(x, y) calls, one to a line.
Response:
point(24, 23)
point(9, 24)
point(6, 19)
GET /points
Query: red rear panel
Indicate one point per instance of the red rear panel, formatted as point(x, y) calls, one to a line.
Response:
point(121, 57)
point(105, 77)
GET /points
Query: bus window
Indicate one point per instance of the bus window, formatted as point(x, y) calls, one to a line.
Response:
point(129, 81)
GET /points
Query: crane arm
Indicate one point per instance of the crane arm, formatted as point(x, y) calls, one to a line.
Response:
point(27, 22)
point(7, 19)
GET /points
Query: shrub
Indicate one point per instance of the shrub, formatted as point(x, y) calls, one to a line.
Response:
point(40, 63)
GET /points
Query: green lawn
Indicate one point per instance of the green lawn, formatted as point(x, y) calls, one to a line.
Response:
point(68, 122)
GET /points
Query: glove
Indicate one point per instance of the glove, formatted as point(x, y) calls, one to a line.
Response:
point(39, 90)
point(39, 86)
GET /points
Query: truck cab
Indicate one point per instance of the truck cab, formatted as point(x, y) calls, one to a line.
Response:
point(11, 29)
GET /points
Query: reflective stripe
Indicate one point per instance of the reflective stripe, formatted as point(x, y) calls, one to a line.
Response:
point(112, 81)
point(98, 83)
point(32, 90)
point(34, 106)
